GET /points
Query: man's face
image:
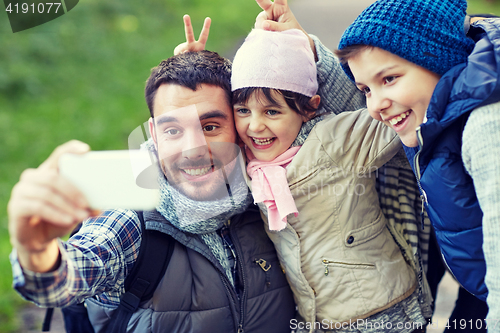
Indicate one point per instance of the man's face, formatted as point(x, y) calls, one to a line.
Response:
point(397, 91)
point(195, 137)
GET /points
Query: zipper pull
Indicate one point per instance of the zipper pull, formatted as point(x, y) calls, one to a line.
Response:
point(422, 212)
point(423, 197)
point(325, 262)
point(240, 328)
point(262, 263)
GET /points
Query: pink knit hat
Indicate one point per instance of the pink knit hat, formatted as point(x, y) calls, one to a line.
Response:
point(276, 60)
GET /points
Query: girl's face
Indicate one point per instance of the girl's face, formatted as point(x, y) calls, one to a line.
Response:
point(397, 91)
point(267, 128)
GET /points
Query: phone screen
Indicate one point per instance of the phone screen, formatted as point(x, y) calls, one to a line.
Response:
point(114, 179)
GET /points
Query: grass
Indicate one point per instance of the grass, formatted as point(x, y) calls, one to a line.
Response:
point(82, 77)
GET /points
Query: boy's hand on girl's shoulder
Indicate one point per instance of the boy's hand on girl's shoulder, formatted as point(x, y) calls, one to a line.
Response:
point(191, 44)
point(277, 16)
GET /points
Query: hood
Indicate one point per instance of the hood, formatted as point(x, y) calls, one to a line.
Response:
point(467, 86)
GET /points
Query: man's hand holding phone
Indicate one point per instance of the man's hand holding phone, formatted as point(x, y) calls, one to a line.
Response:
point(44, 206)
point(48, 202)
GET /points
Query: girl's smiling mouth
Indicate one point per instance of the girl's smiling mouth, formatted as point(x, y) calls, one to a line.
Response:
point(262, 143)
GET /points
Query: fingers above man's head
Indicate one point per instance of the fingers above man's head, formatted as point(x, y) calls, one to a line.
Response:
point(191, 44)
point(188, 28)
point(205, 31)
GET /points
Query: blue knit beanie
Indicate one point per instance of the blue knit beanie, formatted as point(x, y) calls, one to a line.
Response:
point(429, 33)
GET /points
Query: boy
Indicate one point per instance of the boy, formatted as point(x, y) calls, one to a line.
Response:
point(424, 77)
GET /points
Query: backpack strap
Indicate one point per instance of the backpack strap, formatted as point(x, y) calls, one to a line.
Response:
point(149, 268)
point(47, 320)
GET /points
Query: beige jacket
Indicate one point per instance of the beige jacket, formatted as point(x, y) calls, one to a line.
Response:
point(338, 254)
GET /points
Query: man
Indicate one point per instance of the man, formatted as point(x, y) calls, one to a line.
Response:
point(213, 282)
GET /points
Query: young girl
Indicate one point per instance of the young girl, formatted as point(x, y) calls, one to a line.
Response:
point(439, 90)
point(313, 177)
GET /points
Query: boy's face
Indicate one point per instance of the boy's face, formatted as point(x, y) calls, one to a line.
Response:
point(266, 128)
point(397, 91)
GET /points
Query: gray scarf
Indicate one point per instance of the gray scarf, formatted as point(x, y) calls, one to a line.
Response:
point(305, 129)
point(204, 218)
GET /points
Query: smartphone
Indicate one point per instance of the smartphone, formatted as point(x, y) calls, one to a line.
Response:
point(114, 178)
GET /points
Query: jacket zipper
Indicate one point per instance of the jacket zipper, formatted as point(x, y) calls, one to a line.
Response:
point(242, 275)
point(231, 290)
point(328, 262)
point(225, 280)
point(228, 286)
point(451, 272)
point(423, 195)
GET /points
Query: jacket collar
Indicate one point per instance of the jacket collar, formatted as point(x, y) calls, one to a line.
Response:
point(467, 86)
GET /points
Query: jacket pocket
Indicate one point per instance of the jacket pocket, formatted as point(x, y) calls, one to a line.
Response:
point(302, 179)
point(329, 264)
point(302, 175)
point(365, 233)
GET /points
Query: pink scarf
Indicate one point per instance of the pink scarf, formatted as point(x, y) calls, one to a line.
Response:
point(269, 185)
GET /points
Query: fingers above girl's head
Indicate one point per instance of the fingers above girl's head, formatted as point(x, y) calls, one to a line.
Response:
point(265, 4)
point(260, 19)
point(272, 7)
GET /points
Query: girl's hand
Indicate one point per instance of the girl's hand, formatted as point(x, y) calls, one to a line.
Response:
point(192, 45)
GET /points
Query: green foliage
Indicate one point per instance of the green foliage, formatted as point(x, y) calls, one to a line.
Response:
point(82, 76)
point(484, 7)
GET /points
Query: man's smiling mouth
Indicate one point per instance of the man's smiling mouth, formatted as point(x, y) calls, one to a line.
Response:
point(197, 171)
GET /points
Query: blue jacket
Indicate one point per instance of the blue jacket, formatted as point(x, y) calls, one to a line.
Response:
point(445, 186)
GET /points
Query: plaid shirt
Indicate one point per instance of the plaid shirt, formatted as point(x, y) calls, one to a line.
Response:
point(94, 262)
point(231, 256)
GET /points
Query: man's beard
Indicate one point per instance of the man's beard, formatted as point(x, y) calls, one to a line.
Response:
point(217, 186)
